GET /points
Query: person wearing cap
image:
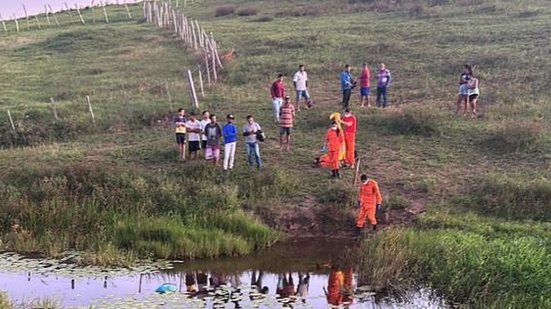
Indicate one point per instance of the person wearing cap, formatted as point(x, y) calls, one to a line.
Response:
point(300, 82)
point(349, 122)
point(193, 127)
point(369, 199)
point(229, 131)
point(213, 133)
point(286, 115)
point(278, 91)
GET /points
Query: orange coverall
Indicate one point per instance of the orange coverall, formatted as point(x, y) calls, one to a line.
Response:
point(349, 138)
point(333, 142)
point(335, 285)
point(369, 196)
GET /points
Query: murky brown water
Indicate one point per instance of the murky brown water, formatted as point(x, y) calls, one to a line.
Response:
point(293, 275)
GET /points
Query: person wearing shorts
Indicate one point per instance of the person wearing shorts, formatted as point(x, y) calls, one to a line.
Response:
point(193, 128)
point(204, 122)
point(300, 82)
point(364, 86)
point(180, 123)
point(462, 96)
point(213, 131)
point(286, 115)
point(473, 93)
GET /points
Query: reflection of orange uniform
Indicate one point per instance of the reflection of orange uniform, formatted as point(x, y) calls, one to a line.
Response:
point(349, 138)
point(369, 196)
point(348, 291)
point(333, 140)
point(334, 287)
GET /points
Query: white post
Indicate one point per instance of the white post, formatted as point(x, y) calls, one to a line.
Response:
point(53, 15)
point(175, 21)
point(193, 34)
point(105, 13)
point(11, 121)
point(37, 21)
point(199, 36)
point(93, 12)
point(215, 47)
point(214, 73)
point(47, 15)
point(207, 66)
point(127, 11)
point(80, 15)
point(90, 109)
point(192, 87)
point(27, 17)
point(201, 81)
point(3, 23)
point(16, 23)
point(52, 101)
point(69, 12)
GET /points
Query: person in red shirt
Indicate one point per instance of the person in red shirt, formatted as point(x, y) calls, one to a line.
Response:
point(369, 198)
point(286, 115)
point(333, 139)
point(364, 86)
point(278, 92)
point(349, 121)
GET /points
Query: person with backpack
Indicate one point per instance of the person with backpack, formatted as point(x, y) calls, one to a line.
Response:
point(229, 131)
point(251, 131)
point(383, 82)
point(213, 132)
point(369, 200)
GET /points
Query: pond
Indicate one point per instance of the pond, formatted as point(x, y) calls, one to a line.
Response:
point(299, 274)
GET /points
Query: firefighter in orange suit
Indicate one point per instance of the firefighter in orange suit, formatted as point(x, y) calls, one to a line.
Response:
point(333, 142)
point(369, 198)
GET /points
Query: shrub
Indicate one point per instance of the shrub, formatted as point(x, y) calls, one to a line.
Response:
point(514, 137)
point(247, 11)
point(224, 10)
point(263, 19)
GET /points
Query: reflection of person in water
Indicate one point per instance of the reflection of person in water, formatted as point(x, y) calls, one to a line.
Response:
point(285, 289)
point(202, 281)
point(191, 283)
point(339, 289)
point(258, 292)
point(303, 284)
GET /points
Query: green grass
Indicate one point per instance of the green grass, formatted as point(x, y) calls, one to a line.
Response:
point(486, 180)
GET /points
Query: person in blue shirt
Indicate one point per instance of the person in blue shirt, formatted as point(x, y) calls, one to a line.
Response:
point(347, 83)
point(229, 132)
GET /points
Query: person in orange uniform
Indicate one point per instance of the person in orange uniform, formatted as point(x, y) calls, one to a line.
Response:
point(333, 139)
point(335, 286)
point(369, 198)
point(349, 121)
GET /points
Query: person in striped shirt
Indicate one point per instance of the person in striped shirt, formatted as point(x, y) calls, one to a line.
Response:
point(286, 116)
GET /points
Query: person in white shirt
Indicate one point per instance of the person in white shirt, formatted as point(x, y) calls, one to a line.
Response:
point(193, 127)
point(203, 123)
point(300, 82)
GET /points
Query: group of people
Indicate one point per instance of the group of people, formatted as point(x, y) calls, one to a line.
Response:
point(348, 83)
point(206, 136)
point(468, 91)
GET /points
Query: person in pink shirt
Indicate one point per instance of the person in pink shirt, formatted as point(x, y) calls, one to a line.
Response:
point(364, 86)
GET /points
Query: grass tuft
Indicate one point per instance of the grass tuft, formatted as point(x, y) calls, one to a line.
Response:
point(224, 10)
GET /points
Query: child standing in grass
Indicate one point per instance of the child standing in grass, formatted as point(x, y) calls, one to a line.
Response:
point(180, 123)
point(473, 93)
point(230, 140)
point(204, 122)
point(213, 132)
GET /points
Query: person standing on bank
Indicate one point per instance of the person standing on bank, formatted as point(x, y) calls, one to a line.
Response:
point(193, 127)
point(180, 123)
point(346, 86)
point(364, 86)
point(213, 131)
point(333, 143)
point(229, 131)
point(204, 122)
point(286, 115)
point(349, 122)
point(300, 82)
point(369, 198)
point(383, 82)
point(250, 130)
point(277, 91)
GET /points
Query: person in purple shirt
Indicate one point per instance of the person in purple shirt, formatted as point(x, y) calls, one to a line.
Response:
point(383, 81)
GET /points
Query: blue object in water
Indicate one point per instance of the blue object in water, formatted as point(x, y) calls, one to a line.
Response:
point(166, 288)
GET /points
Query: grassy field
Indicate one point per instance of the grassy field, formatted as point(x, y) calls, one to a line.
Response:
point(484, 183)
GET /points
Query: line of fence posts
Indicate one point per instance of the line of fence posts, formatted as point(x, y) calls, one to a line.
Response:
point(193, 35)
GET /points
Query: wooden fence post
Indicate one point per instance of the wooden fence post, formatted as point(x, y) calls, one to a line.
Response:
point(53, 15)
point(80, 15)
point(192, 88)
point(52, 101)
point(127, 11)
point(27, 17)
point(11, 121)
point(16, 23)
point(207, 66)
point(90, 109)
point(3, 23)
point(69, 12)
point(47, 15)
point(37, 21)
point(105, 13)
point(201, 81)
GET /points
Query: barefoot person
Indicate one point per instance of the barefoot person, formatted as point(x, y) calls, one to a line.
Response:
point(369, 198)
point(349, 122)
point(364, 86)
point(180, 123)
point(473, 93)
point(300, 82)
point(462, 96)
point(286, 115)
point(277, 91)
